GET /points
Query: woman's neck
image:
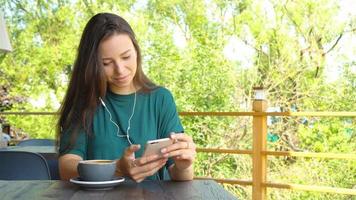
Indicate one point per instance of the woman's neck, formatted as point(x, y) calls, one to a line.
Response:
point(125, 91)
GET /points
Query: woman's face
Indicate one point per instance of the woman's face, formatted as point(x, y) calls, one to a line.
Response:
point(119, 58)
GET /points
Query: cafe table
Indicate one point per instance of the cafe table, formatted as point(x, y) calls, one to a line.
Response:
point(127, 190)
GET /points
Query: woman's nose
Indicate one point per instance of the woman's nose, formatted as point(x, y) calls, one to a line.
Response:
point(118, 67)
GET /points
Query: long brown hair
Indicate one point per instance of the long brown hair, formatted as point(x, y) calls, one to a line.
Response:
point(88, 81)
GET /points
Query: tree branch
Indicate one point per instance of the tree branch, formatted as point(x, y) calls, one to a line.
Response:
point(334, 45)
point(293, 21)
point(256, 49)
point(18, 3)
point(338, 40)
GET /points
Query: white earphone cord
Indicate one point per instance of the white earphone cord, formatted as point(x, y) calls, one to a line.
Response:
point(128, 127)
point(129, 121)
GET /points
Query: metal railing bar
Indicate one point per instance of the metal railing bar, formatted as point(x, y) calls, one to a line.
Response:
point(311, 154)
point(312, 188)
point(228, 151)
point(300, 114)
point(281, 153)
point(227, 181)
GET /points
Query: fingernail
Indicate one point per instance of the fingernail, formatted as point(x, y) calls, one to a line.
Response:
point(163, 150)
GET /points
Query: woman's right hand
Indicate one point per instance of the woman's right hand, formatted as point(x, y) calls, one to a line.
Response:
point(139, 169)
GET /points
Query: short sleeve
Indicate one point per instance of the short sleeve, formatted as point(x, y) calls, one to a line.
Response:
point(169, 119)
point(79, 147)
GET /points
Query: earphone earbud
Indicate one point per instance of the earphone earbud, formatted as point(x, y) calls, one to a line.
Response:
point(102, 102)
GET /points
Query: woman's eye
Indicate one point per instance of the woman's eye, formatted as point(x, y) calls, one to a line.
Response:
point(126, 57)
point(106, 64)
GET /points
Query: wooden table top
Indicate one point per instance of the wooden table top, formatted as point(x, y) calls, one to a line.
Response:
point(147, 190)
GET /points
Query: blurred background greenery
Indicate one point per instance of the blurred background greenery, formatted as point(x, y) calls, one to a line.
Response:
point(210, 54)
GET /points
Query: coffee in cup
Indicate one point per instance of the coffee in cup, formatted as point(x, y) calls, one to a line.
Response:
point(96, 170)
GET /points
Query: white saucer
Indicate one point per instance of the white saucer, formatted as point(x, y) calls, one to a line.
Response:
point(97, 185)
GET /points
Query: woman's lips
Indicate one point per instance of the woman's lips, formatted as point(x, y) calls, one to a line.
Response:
point(121, 79)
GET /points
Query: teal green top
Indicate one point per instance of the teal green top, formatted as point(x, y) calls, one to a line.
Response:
point(155, 116)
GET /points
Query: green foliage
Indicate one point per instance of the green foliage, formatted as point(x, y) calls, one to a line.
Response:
point(290, 42)
point(312, 172)
point(329, 135)
point(35, 126)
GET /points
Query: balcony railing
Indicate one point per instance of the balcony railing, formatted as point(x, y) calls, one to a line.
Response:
point(259, 153)
point(259, 150)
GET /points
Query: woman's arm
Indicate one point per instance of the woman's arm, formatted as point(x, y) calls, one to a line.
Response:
point(68, 166)
point(183, 153)
point(181, 174)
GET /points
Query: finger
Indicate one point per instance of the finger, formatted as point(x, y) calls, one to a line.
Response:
point(178, 145)
point(135, 164)
point(140, 180)
point(181, 137)
point(147, 167)
point(141, 176)
point(175, 146)
point(131, 150)
point(182, 153)
point(147, 159)
point(190, 156)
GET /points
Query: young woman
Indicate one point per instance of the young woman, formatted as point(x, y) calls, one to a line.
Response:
point(111, 109)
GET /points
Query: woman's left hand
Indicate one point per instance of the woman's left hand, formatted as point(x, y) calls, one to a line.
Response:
point(182, 150)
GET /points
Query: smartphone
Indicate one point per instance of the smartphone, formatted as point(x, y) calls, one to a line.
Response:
point(153, 147)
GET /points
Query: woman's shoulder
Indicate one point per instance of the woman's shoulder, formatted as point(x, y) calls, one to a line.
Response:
point(160, 90)
point(162, 93)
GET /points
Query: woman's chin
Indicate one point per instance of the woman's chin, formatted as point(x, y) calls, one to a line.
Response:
point(124, 88)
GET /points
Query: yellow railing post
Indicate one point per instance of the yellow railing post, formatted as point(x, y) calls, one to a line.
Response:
point(259, 191)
